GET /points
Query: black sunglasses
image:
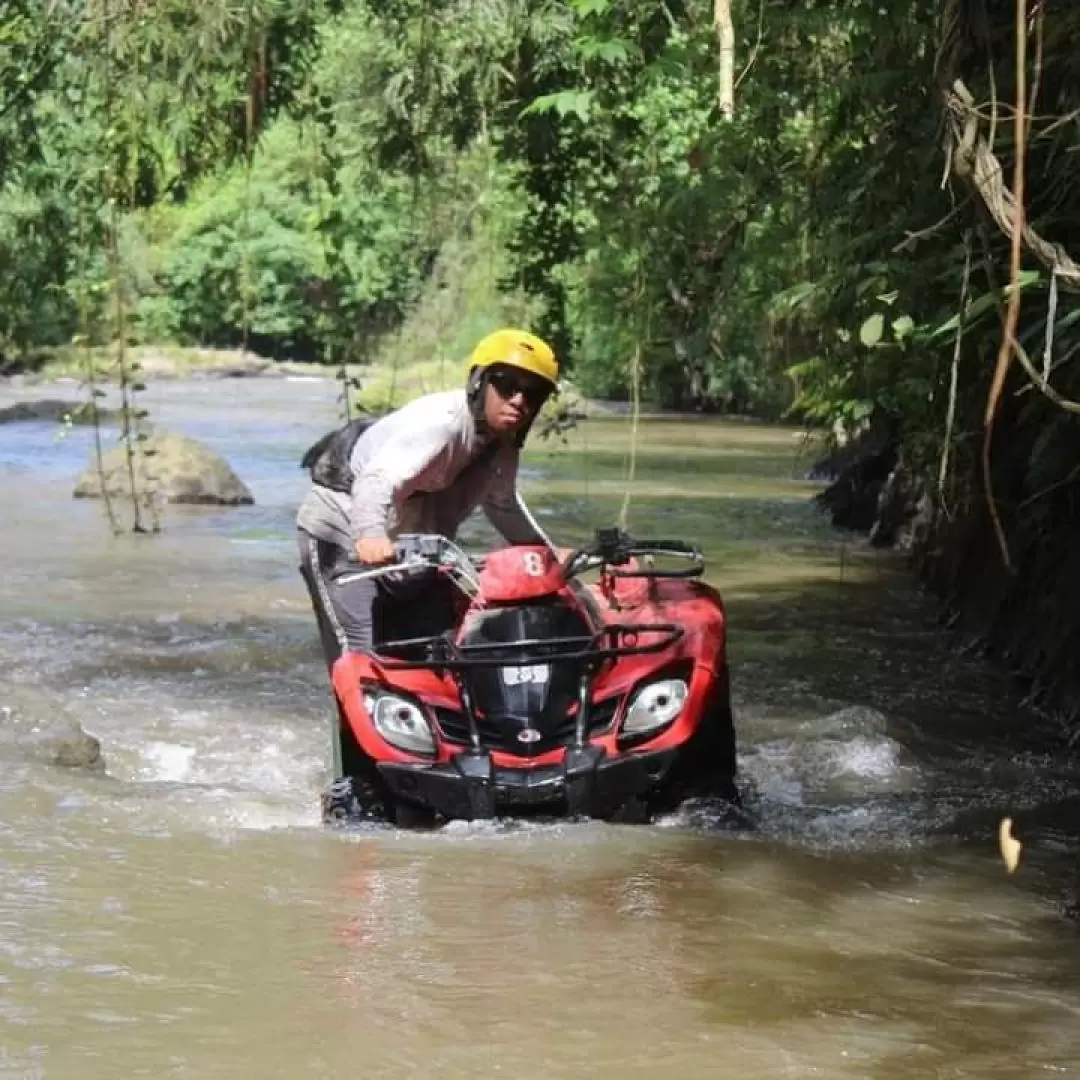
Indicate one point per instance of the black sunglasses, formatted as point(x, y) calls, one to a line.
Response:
point(509, 383)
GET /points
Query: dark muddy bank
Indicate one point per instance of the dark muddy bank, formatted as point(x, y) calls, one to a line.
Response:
point(1023, 614)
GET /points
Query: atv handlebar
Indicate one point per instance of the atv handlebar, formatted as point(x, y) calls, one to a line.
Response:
point(614, 548)
point(611, 548)
point(415, 551)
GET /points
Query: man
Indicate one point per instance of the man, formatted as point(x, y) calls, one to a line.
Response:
point(421, 469)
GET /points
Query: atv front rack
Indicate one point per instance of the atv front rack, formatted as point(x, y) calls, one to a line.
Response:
point(443, 653)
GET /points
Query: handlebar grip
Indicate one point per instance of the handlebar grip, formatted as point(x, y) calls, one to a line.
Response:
point(680, 546)
point(418, 547)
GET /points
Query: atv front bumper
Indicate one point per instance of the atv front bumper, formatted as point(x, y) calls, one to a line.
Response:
point(586, 783)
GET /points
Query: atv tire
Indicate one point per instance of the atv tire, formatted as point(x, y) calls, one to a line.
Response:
point(408, 816)
point(723, 749)
point(339, 802)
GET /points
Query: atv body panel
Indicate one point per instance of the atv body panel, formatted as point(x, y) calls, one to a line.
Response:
point(527, 698)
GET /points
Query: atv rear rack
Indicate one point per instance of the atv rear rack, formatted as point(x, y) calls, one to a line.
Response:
point(445, 654)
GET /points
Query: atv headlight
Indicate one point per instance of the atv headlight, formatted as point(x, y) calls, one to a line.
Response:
point(400, 722)
point(655, 706)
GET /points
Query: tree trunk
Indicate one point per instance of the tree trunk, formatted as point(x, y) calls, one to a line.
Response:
point(725, 35)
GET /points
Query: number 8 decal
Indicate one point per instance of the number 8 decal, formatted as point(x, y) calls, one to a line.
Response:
point(533, 564)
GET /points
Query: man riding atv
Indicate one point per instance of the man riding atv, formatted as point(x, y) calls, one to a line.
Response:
point(421, 469)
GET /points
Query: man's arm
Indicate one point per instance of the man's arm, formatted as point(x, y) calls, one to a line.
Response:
point(392, 473)
point(506, 510)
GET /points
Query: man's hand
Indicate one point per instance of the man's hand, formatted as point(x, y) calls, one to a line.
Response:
point(375, 550)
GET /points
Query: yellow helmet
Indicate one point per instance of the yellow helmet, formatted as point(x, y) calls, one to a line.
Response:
point(519, 349)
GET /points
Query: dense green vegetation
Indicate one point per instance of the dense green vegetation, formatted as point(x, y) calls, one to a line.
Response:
point(784, 207)
point(313, 179)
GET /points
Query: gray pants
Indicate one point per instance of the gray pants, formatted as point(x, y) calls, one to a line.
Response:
point(354, 615)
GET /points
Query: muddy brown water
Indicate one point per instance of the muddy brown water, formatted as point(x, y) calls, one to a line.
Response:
point(183, 914)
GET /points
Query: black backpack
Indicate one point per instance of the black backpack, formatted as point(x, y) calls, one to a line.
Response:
point(328, 459)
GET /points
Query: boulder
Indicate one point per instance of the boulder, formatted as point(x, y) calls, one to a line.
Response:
point(36, 727)
point(76, 749)
point(905, 511)
point(174, 468)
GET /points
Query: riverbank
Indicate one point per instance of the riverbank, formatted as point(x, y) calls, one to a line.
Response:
point(168, 362)
point(1017, 605)
point(372, 386)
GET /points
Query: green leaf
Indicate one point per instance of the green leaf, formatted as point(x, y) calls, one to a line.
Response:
point(796, 295)
point(612, 51)
point(564, 102)
point(903, 326)
point(981, 305)
point(870, 332)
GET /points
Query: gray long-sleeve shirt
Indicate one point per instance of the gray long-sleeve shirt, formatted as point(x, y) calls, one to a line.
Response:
point(411, 475)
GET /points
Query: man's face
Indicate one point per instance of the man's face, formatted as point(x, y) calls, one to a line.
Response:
point(512, 399)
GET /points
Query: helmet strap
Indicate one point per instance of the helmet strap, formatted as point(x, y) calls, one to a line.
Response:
point(475, 392)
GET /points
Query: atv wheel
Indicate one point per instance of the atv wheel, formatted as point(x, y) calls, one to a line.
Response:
point(722, 724)
point(409, 816)
point(353, 799)
point(339, 801)
point(724, 750)
point(635, 811)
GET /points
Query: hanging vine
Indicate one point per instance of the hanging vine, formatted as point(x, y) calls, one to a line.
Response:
point(418, 134)
point(91, 377)
point(118, 139)
point(331, 227)
point(256, 68)
point(638, 300)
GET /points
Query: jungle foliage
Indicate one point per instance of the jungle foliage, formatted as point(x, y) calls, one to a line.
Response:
point(305, 179)
point(344, 179)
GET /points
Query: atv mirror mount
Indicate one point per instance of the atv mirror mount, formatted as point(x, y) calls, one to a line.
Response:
point(613, 547)
point(610, 547)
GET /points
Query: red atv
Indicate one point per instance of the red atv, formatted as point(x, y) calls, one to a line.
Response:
point(545, 695)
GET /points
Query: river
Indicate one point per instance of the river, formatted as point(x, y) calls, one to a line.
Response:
point(184, 913)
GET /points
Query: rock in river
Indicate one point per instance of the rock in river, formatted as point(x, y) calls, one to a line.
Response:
point(35, 727)
point(176, 468)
